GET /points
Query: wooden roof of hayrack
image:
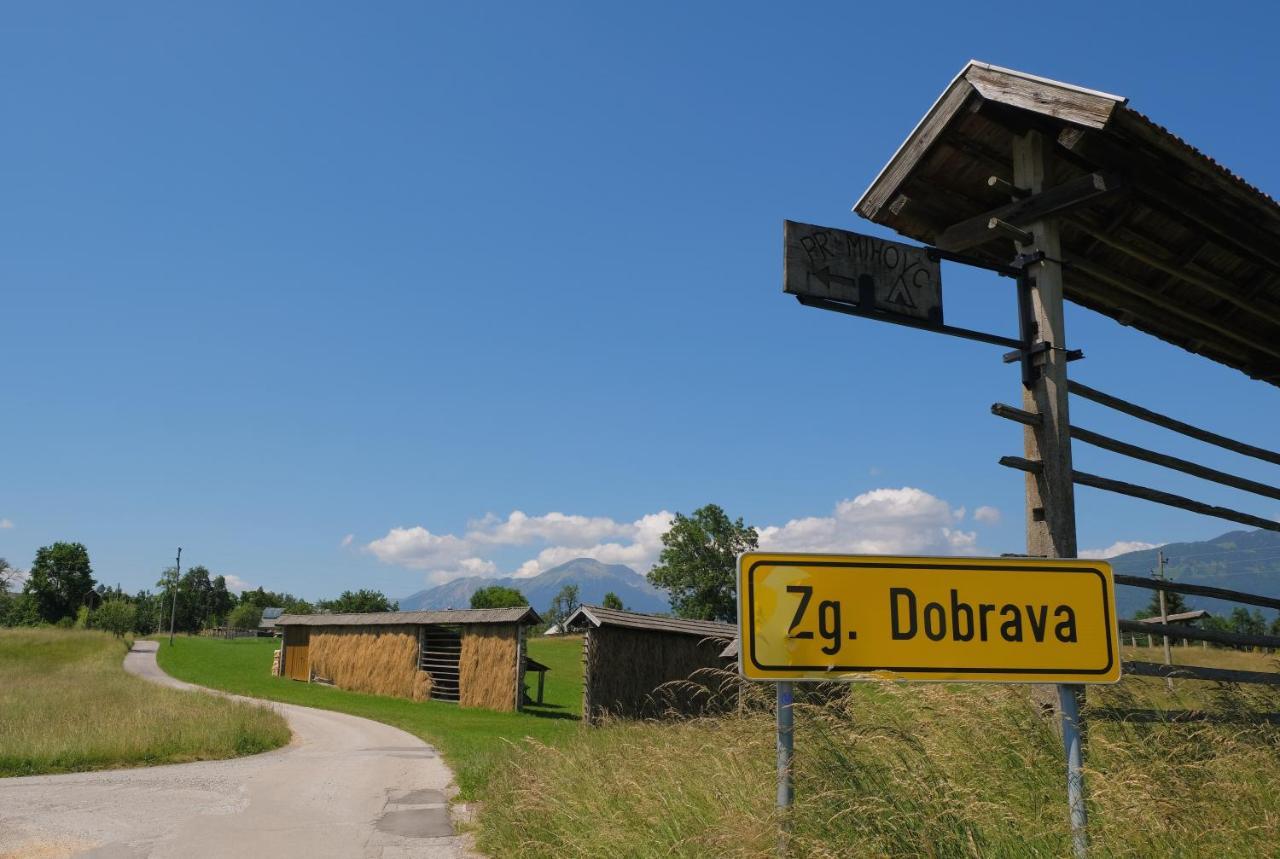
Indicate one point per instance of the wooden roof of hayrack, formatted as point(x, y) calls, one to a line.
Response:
point(520, 614)
point(1155, 233)
point(598, 616)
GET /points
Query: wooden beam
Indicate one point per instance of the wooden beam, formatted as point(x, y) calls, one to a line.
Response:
point(1173, 462)
point(1173, 308)
point(913, 149)
point(1198, 672)
point(1211, 635)
point(1050, 494)
point(1042, 96)
point(1071, 194)
point(1146, 493)
point(1197, 590)
point(1228, 292)
point(1136, 411)
point(1183, 203)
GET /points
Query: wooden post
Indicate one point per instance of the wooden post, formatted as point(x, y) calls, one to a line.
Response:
point(1050, 493)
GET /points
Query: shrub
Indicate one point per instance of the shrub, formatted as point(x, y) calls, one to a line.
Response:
point(115, 616)
point(245, 616)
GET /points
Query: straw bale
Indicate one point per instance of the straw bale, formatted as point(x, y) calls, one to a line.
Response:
point(634, 673)
point(382, 660)
point(487, 667)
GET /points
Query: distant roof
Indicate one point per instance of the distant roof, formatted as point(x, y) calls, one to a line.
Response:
point(1156, 234)
point(599, 616)
point(520, 614)
point(271, 613)
point(1182, 616)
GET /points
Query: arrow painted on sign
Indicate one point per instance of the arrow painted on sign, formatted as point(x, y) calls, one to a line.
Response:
point(865, 284)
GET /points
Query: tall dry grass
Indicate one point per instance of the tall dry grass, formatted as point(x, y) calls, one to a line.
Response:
point(487, 666)
point(66, 705)
point(909, 770)
point(381, 660)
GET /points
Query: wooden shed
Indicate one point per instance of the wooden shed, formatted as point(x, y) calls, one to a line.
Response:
point(472, 657)
point(641, 665)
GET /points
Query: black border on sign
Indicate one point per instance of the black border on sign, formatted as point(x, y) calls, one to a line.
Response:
point(1029, 568)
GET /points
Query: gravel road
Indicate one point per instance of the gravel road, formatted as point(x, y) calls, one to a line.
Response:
point(344, 787)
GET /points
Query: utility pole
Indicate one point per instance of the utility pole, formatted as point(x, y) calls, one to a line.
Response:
point(1050, 492)
point(173, 615)
point(1164, 616)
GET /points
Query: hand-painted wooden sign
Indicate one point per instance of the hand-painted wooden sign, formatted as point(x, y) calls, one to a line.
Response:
point(836, 617)
point(892, 277)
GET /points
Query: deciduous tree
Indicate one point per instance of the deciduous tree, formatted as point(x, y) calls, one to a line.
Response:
point(497, 596)
point(60, 577)
point(697, 563)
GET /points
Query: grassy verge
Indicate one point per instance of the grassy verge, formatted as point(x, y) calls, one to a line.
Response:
point(472, 741)
point(913, 770)
point(66, 705)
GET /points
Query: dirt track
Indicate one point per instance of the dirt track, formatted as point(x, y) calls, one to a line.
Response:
point(345, 787)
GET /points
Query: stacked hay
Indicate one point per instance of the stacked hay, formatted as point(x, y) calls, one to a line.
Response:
point(275, 664)
point(636, 673)
point(382, 660)
point(487, 667)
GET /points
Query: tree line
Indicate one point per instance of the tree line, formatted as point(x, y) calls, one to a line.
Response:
point(60, 590)
point(1241, 620)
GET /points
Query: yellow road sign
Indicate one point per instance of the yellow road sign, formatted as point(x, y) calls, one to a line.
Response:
point(838, 617)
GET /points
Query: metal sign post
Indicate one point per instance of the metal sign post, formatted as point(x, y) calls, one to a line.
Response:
point(786, 745)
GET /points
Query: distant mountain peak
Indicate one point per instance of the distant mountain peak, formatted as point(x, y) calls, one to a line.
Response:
point(594, 579)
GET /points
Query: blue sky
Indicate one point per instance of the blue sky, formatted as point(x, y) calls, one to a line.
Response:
point(313, 289)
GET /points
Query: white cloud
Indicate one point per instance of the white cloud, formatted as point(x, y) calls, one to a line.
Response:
point(521, 529)
point(987, 515)
point(237, 584)
point(346, 541)
point(6, 524)
point(419, 549)
point(1119, 547)
point(883, 521)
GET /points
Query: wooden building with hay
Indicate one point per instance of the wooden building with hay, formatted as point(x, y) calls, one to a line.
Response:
point(642, 665)
point(473, 657)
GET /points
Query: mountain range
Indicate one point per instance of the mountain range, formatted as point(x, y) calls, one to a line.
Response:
point(1238, 560)
point(593, 579)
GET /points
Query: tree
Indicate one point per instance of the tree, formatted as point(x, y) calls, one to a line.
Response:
point(497, 596)
point(698, 560)
point(60, 577)
point(563, 604)
point(1174, 603)
point(359, 601)
point(612, 600)
point(245, 616)
point(220, 601)
point(116, 616)
point(8, 576)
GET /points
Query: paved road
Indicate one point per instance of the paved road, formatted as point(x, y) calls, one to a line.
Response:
point(345, 787)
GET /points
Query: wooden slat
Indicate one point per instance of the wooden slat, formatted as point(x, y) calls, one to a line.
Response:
point(1198, 590)
point(1173, 462)
point(1146, 493)
point(1169, 423)
point(1069, 195)
point(1238, 639)
point(1197, 672)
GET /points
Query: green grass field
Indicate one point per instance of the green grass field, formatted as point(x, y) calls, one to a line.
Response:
point(66, 705)
point(913, 770)
point(472, 741)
